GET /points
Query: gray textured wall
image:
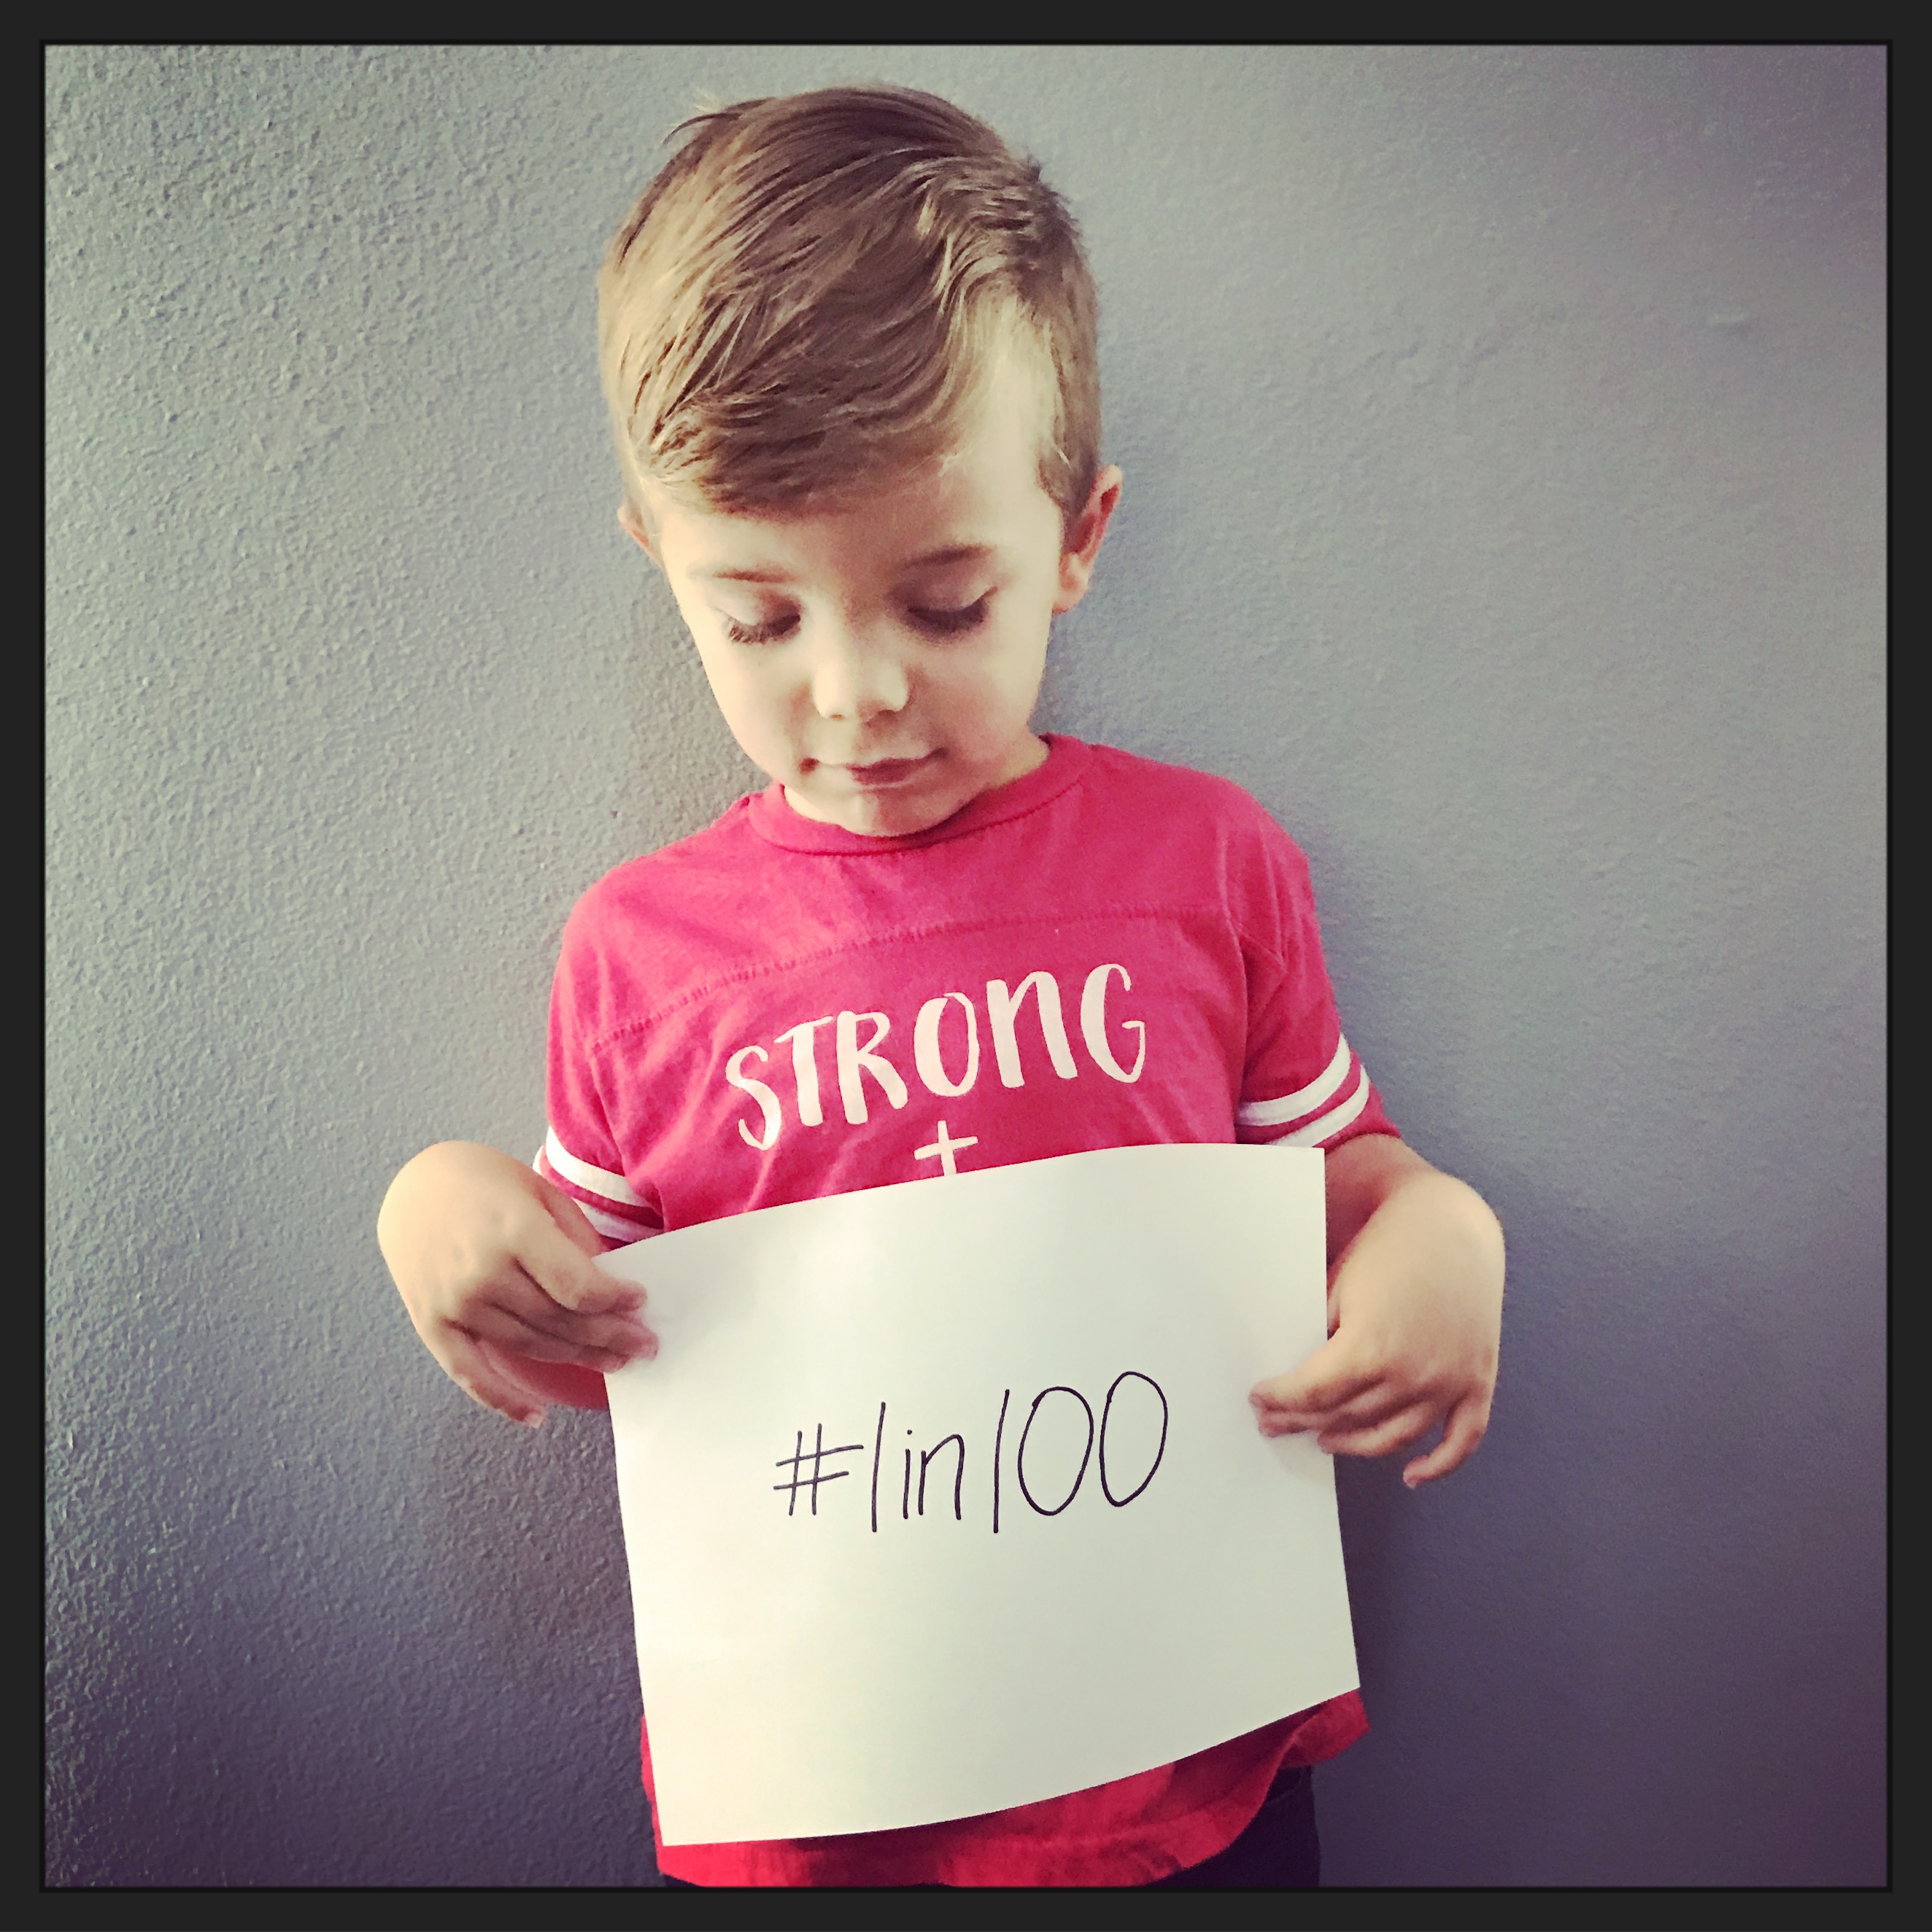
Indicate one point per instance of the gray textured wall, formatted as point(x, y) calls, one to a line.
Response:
point(1504, 440)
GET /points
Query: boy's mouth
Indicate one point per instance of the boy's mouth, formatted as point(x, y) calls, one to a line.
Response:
point(879, 773)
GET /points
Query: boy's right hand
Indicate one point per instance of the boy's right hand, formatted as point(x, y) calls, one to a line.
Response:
point(494, 1263)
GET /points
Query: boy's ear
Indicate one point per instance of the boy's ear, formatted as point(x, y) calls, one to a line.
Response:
point(1083, 538)
point(633, 527)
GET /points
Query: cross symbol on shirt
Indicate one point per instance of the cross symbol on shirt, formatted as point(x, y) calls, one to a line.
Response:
point(943, 1148)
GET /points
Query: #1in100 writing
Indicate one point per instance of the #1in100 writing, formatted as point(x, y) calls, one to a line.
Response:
point(1036, 1482)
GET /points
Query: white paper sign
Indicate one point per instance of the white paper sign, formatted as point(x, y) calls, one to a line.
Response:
point(947, 1496)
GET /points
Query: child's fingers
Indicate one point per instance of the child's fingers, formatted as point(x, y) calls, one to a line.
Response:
point(510, 1309)
point(560, 1257)
point(485, 1381)
point(1330, 1377)
point(568, 1216)
point(621, 1328)
point(1382, 1437)
point(527, 1322)
point(1367, 1408)
point(557, 1288)
point(1468, 1423)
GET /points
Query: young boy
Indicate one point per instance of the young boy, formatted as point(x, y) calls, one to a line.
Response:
point(848, 343)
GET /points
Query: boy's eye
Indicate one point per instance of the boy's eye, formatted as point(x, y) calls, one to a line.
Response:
point(952, 623)
point(944, 623)
point(768, 632)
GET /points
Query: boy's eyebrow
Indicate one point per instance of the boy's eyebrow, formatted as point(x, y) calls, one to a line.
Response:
point(951, 553)
point(931, 559)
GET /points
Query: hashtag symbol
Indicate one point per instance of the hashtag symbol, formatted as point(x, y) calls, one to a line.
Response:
point(815, 1455)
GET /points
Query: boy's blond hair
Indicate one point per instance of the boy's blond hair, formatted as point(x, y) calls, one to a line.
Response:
point(813, 289)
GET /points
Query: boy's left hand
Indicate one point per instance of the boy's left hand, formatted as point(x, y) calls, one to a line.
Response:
point(1414, 1315)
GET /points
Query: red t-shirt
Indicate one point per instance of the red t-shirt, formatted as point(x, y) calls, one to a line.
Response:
point(1106, 953)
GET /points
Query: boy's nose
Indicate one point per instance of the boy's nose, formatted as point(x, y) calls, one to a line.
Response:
point(851, 681)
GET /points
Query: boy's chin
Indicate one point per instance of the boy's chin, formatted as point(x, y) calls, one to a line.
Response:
point(945, 782)
point(892, 815)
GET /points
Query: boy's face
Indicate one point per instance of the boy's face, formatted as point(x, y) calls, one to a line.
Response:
point(880, 656)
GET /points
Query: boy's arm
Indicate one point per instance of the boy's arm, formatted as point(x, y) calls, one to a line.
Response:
point(1415, 1293)
point(494, 1264)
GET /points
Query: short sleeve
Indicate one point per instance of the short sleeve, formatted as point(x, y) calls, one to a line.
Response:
point(580, 1154)
point(1303, 1084)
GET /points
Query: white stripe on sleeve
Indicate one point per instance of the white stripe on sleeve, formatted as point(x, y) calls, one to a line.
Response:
point(618, 1230)
point(613, 1187)
point(1303, 1099)
point(1333, 1122)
